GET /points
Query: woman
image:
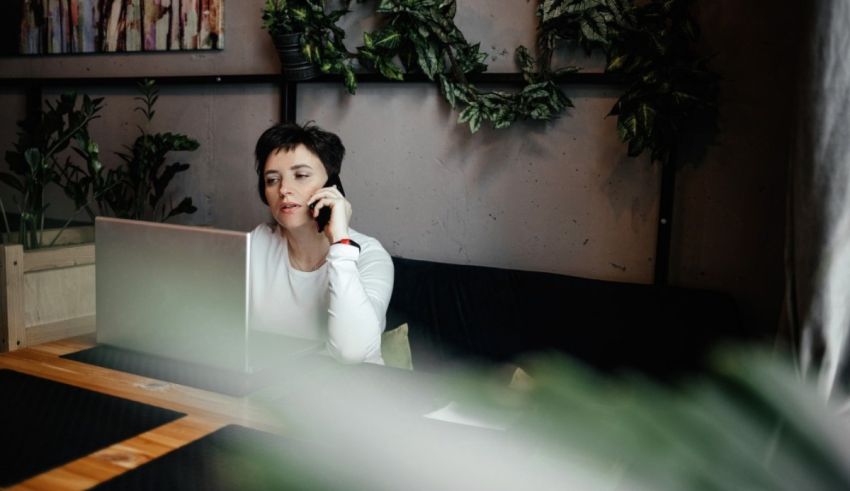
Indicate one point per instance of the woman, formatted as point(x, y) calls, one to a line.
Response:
point(309, 281)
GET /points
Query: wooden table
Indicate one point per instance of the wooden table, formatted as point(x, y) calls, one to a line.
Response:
point(205, 412)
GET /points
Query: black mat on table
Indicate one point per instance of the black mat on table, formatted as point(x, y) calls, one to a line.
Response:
point(234, 457)
point(201, 377)
point(47, 423)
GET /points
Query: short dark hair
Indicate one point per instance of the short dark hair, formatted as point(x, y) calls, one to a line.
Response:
point(286, 136)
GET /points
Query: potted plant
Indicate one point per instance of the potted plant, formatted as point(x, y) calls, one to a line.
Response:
point(35, 165)
point(307, 39)
point(45, 289)
point(48, 293)
point(137, 188)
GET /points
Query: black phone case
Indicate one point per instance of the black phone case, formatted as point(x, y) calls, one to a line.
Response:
point(325, 213)
point(323, 218)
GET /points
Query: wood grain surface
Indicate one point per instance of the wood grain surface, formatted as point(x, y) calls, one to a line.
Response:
point(205, 412)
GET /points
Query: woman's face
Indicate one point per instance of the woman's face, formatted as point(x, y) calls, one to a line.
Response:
point(291, 179)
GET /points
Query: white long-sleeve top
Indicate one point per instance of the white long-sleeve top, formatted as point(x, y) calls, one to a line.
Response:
point(343, 303)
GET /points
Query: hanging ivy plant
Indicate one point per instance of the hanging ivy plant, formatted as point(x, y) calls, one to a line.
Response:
point(416, 36)
point(670, 88)
point(321, 38)
point(587, 23)
point(648, 46)
point(422, 35)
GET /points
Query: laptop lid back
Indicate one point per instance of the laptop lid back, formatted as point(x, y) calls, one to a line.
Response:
point(174, 291)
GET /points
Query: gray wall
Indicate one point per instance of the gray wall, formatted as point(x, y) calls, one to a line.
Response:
point(559, 197)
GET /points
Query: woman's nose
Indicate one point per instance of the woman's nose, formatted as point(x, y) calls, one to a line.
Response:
point(283, 190)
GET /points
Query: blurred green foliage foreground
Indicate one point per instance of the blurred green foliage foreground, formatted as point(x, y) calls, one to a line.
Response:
point(747, 423)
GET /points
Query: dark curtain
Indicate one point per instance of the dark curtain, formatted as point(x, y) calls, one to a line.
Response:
point(818, 246)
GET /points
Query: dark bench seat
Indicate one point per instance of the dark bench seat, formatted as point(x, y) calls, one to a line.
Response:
point(471, 313)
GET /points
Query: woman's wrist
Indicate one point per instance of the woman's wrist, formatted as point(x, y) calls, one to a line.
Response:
point(337, 235)
point(336, 238)
point(348, 242)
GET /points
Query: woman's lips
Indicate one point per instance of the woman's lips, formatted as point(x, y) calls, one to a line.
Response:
point(289, 208)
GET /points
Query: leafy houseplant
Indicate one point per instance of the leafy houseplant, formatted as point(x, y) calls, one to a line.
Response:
point(55, 297)
point(670, 88)
point(136, 189)
point(307, 38)
point(649, 46)
point(424, 37)
point(35, 160)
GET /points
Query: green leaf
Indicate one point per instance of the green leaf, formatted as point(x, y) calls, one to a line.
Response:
point(616, 63)
point(185, 206)
point(390, 40)
point(682, 98)
point(447, 89)
point(390, 70)
point(467, 114)
point(34, 159)
point(525, 60)
point(590, 30)
point(627, 127)
point(645, 117)
point(650, 77)
point(475, 122)
point(617, 9)
point(566, 70)
point(428, 59)
point(502, 122)
point(350, 81)
point(386, 6)
point(449, 8)
point(552, 10)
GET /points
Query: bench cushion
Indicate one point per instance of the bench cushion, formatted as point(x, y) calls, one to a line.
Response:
point(462, 313)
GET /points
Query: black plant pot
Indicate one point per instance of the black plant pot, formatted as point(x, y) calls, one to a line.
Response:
point(294, 65)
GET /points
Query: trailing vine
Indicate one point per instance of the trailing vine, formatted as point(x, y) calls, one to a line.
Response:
point(423, 37)
point(648, 46)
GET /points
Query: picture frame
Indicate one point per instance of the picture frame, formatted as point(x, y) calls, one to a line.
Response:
point(59, 27)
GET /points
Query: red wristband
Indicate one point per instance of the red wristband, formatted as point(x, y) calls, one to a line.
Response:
point(348, 242)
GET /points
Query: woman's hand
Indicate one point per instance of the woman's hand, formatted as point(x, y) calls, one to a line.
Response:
point(337, 227)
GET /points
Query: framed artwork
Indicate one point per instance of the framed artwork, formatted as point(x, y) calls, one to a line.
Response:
point(110, 26)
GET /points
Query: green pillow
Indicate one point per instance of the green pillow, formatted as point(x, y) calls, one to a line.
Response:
point(395, 348)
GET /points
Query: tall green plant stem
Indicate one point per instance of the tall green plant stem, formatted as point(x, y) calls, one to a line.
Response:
point(76, 212)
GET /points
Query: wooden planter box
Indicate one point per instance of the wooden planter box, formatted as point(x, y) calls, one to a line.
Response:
point(47, 294)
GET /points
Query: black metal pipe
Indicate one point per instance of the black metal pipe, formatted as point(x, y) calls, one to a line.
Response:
point(288, 97)
point(665, 220)
point(484, 78)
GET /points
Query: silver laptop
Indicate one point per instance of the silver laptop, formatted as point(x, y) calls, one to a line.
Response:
point(182, 293)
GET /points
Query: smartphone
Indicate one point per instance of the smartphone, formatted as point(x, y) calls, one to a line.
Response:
point(325, 213)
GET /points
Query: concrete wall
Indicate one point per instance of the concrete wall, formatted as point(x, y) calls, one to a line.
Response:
point(559, 197)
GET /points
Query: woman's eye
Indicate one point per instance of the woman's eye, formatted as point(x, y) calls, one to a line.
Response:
point(301, 176)
point(271, 180)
